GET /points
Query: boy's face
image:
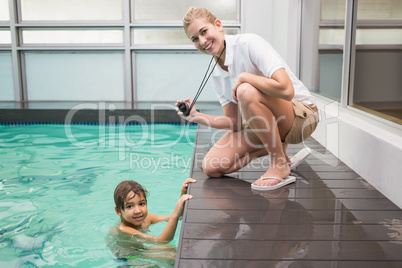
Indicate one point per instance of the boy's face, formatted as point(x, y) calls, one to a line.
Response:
point(135, 210)
point(206, 37)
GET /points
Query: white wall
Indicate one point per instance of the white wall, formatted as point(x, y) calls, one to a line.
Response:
point(256, 17)
point(369, 145)
point(278, 22)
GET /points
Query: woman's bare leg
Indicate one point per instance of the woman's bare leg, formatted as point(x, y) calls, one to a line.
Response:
point(271, 119)
point(231, 152)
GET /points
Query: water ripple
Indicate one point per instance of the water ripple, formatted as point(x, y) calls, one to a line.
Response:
point(55, 187)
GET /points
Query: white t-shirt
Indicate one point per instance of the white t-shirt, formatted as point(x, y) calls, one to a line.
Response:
point(252, 54)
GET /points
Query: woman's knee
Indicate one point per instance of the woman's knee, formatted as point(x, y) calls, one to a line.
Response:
point(247, 94)
point(212, 167)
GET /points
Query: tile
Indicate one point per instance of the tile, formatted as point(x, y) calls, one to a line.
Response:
point(280, 250)
point(216, 189)
point(290, 232)
point(226, 204)
point(335, 184)
point(298, 216)
point(231, 182)
point(297, 203)
point(244, 174)
point(328, 184)
point(347, 204)
point(330, 217)
point(344, 175)
point(201, 263)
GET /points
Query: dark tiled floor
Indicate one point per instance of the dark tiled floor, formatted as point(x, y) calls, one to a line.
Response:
point(330, 217)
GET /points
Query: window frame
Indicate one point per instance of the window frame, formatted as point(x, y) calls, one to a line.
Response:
point(17, 25)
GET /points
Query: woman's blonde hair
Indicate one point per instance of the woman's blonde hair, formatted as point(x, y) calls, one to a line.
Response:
point(195, 13)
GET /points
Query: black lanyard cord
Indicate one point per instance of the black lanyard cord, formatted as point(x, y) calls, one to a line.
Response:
point(204, 81)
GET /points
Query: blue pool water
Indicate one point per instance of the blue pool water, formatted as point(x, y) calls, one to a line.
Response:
point(57, 183)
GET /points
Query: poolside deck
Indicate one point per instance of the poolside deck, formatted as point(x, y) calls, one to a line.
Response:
point(330, 217)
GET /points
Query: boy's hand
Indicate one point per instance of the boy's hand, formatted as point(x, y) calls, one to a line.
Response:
point(184, 186)
point(178, 210)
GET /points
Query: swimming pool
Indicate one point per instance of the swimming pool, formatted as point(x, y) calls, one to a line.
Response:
point(57, 183)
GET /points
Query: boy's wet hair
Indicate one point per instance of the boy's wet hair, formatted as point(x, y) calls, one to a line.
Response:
point(195, 13)
point(123, 189)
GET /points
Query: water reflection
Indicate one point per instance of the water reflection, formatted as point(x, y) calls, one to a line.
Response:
point(269, 218)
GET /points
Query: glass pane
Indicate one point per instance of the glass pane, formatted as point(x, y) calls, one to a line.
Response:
point(6, 77)
point(333, 10)
point(164, 36)
point(5, 37)
point(159, 37)
point(379, 10)
point(155, 83)
point(72, 36)
point(65, 10)
point(322, 44)
point(4, 11)
point(366, 9)
point(332, 37)
point(378, 80)
point(176, 9)
point(379, 37)
point(75, 76)
point(331, 75)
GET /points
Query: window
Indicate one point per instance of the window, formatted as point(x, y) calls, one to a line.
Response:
point(6, 77)
point(74, 76)
point(165, 83)
point(378, 59)
point(5, 37)
point(157, 26)
point(376, 54)
point(162, 10)
point(4, 11)
point(71, 10)
point(164, 36)
point(91, 50)
point(69, 36)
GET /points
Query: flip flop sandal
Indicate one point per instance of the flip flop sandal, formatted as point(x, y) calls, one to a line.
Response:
point(298, 158)
point(282, 182)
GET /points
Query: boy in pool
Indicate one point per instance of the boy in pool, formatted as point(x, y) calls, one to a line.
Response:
point(131, 205)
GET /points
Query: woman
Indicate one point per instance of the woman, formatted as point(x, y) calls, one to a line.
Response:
point(252, 81)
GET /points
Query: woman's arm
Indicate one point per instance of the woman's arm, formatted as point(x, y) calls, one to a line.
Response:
point(278, 86)
point(230, 120)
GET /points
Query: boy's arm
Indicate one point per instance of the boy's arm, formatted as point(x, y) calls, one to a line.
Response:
point(138, 234)
point(157, 218)
point(170, 229)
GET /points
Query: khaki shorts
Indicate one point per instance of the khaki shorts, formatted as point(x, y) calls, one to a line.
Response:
point(306, 120)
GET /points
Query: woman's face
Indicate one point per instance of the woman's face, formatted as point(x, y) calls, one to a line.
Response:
point(208, 38)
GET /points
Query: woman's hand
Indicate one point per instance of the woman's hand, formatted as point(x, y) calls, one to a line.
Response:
point(184, 186)
point(192, 113)
point(239, 80)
